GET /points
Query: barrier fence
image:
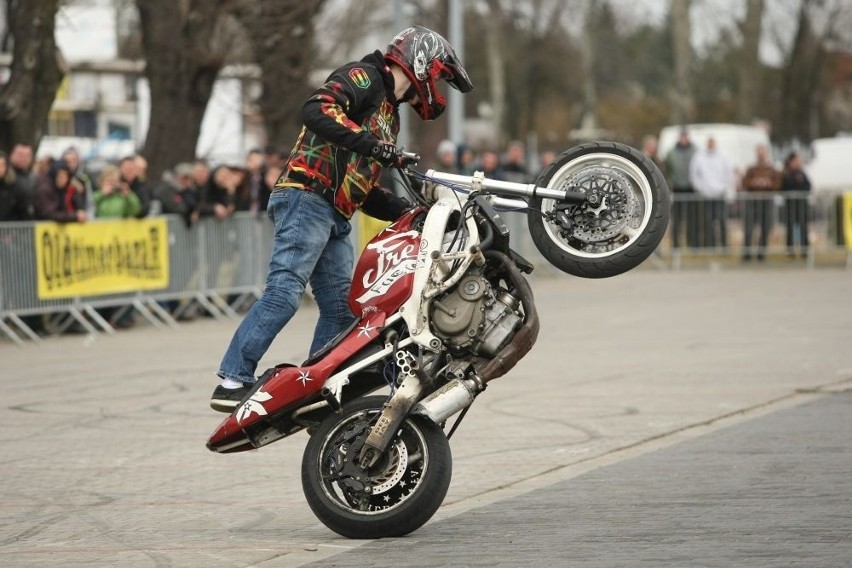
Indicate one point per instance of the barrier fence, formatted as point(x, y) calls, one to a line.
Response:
point(220, 266)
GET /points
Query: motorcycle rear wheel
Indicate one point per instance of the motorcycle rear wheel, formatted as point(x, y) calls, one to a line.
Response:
point(617, 230)
point(405, 488)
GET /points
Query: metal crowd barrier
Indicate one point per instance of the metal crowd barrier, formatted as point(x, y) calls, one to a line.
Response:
point(220, 266)
point(757, 226)
point(215, 266)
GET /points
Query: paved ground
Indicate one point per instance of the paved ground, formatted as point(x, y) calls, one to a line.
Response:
point(749, 495)
point(666, 419)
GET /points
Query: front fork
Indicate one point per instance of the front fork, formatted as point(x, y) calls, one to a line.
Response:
point(394, 412)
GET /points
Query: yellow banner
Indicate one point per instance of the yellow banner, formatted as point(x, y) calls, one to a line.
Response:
point(846, 211)
point(101, 257)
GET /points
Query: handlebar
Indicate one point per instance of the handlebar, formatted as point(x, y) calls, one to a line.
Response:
point(478, 182)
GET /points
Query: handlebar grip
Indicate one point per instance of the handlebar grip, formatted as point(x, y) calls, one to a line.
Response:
point(407, 158)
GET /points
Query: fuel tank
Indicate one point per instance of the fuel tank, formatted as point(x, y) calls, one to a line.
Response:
point(385, 271)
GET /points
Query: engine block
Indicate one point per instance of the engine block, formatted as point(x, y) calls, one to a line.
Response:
point(475, 316)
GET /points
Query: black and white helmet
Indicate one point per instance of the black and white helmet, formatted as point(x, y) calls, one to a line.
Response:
point(426, 57)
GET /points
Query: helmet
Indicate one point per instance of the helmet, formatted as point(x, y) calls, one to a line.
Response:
point(425, 57)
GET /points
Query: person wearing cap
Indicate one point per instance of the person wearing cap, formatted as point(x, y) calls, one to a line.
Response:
point(350, 127)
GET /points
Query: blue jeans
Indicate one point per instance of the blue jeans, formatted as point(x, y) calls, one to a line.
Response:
point(311, 245)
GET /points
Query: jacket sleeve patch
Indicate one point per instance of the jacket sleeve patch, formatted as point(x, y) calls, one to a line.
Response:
point(359, 77)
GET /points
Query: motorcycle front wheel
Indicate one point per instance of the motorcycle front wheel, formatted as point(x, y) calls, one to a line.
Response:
point(622, 221)
point(392, 499)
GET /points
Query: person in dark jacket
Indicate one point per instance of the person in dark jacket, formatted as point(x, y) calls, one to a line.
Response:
point(21, 159)
point(14, 199)
point(56, 198)
point(794, 185)
point(349, 136)
point(685, 210)
point(178, 194)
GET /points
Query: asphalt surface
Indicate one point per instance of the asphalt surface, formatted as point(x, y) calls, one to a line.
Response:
point(663, 419)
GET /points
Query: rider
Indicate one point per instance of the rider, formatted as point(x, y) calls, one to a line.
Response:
point(349, 134)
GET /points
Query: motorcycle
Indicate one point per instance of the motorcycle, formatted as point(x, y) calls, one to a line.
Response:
point(442, 308)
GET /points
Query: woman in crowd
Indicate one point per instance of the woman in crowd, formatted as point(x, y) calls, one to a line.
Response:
point(794, 182)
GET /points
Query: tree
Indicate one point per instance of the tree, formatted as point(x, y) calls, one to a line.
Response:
point(185, 44)
point(37, 71)
point(282, 37)
point(682, 102)
point(802, 75)
point(749, 67)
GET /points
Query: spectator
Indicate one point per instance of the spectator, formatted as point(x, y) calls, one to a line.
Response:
point(225, 193)
point(489, 163)
point(465, 160)
point(41, 167)
point(131, 171)
point(273, 158)
point(759, 180)
point(685, 207)
point(78, 177)
point(255, 179)
point(514, 167)
point(114, 198)
point(56, 199)
point(794, 183)
point(547, 157)
point(16, 246)
point(446, 155)
point(712, 175)
point(141, 167)
point(14, 198)
point(200, 176)
point(649, 148)
point(178, 195)
point(21, 159)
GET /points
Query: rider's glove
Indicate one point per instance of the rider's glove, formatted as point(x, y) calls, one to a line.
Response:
point(384, 153)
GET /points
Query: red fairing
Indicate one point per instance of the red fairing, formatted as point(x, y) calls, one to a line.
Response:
point(384, 273)
point(290, 388)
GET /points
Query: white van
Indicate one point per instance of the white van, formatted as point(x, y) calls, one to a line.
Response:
point(737, 141)
point(830, 166)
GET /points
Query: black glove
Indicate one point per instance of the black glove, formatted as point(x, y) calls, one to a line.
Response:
point(384, 153)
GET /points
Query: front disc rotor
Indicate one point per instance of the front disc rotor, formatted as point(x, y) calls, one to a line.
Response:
point(613, 207)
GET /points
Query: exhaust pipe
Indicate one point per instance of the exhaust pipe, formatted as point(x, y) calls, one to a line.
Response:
point(451, 398)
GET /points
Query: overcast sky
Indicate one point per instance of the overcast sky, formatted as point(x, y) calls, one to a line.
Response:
point(85, 29)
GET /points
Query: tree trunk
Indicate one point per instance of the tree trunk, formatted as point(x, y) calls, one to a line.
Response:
point(588, 120)
point(184, 54)
point(282, 36)
point(800, 81)
point(682, 101)
point(36, 73)
point(749, 71)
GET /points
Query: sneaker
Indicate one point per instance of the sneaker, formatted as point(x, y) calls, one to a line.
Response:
point(226, 400)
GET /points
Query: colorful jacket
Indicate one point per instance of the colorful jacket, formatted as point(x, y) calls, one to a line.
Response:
point(342, 121)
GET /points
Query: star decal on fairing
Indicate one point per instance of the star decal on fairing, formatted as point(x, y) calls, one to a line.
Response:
point(365, 330)
point(253, 404)
point(305, 377)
